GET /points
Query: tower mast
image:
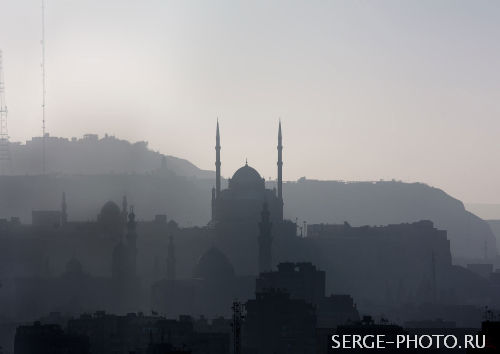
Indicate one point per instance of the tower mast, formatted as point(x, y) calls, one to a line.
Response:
point(43, 86)
point(5, 157)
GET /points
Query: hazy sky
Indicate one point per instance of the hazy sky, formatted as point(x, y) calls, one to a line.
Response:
point(366, 90)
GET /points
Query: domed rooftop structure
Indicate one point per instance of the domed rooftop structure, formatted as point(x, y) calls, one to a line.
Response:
point(246, 177)
point(110, 218)
point(110, 209)
point(214, 265)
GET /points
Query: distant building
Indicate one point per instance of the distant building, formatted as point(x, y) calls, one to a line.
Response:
point(46, 218)
point(482, 269)
point(209, 291)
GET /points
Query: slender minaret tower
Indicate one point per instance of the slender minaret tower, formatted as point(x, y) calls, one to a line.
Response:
point(131, 237)
point(217, 161)
point(213, 203)
point(265, 241)
point(280, 170)
point(64, 210)
point(171, 259)
point(124, 209)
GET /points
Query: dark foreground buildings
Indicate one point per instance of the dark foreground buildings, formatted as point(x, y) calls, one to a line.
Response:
point(103, 333)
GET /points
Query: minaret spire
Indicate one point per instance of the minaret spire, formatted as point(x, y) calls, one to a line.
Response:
point(217, 161)
point(280, 164)
point(64, 209)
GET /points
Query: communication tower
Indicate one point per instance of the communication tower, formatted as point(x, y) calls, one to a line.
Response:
point(5, 157)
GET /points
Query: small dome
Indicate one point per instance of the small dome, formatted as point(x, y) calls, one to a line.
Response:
point(245, 177)
point(214, 265)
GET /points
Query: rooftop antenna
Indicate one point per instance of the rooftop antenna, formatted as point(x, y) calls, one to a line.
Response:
point(5, 157)
point(43, 86)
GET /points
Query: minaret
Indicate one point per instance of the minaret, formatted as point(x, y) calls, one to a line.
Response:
point(64, 211)
point(132, 241)
point(213, 203)
point(217, 161)
point(265, 241)
point(280, 170)
point(124, 209)
point(171, 259)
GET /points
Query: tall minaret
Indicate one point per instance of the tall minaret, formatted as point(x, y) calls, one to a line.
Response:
point(217, 161)
point(64, 210)
point(213, 203)
point(171, 259)
point(124, 209)
point(131, 237)
point(280, 171)
point(265, 241)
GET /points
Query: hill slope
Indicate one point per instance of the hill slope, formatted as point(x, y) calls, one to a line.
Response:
point(91, 155)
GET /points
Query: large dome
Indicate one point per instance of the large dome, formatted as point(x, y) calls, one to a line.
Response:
point(246, 176)
point(110, 218)
point(214, 265)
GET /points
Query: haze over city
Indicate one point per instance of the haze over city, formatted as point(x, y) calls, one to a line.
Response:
point(365, 91)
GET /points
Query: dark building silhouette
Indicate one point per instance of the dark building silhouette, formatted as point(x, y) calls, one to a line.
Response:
point(303, 281)
point(126, 283)
point(149, 334)
point(491, 330)
point(46, 219)
point(277, 324)
point(265, 241)
point(171, 259)
point(209, 291)
point(48, 339)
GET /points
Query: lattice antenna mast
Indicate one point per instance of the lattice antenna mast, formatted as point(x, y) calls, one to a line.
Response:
point(43, 87)
point(5, 157)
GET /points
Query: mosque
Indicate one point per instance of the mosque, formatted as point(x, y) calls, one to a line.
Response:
point(246, 225)
point(247, 218)
point(242, 201)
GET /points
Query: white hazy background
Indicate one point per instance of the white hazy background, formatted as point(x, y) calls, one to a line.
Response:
point(366, 90)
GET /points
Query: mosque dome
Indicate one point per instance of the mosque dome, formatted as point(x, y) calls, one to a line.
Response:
point(110, 218)
point(214, 265)
point(109, 210)
point(246, 177)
